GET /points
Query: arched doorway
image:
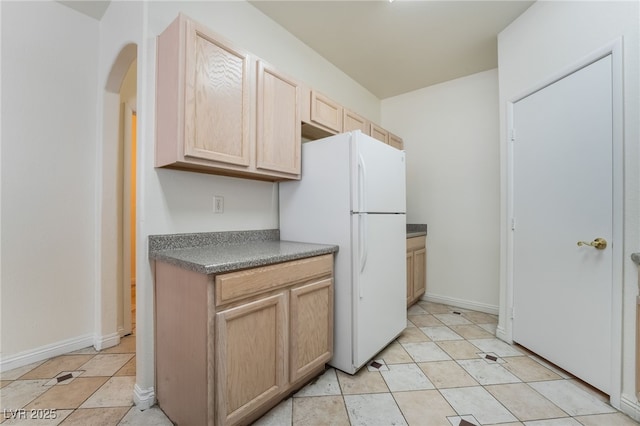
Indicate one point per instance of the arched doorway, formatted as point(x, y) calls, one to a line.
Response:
point(116, 298)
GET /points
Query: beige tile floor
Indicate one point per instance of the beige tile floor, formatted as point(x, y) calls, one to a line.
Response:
point(436, 373)
point(84, 388)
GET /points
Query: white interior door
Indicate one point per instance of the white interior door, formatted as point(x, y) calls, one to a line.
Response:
point(562, 194)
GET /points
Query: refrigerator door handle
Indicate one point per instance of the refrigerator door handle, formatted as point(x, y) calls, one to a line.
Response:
point(362, 184)
point(364, 247)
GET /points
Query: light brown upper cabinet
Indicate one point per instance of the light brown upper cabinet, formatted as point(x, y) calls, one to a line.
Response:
point(220, 110)
point(278, 122)
point(395, 141)
point(352, 121)
point(322, 117)
point(386, 136)
point(325, 112)
point(379, 133)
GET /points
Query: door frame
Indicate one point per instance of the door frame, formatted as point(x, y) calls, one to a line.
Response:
point(614, 49)
point(128, 263)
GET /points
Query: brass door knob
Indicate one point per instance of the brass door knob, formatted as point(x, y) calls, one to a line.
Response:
point(598, 243)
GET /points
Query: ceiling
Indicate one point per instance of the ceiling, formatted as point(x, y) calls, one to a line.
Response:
point(393, 48)
point(390, 48)
point(92, 8)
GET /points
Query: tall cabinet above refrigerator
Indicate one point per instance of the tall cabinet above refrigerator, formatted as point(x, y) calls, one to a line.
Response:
point(353, 194)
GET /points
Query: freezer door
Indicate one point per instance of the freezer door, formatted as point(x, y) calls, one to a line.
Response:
point(379, 182)
point(379, 278)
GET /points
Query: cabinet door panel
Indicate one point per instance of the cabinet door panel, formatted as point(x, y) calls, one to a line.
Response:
point(419, 272)
point(416, 268)
point(250, 356)
point(352, 121)
point(217, 99)
point(278, 122)
point(395, 141)
point(311, 327)
point(326, 112)
point(410, 269)
point(379, 133)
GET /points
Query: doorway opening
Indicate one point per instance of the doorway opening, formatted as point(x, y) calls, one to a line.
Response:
point(128, 200)
point(117, 294)
point(132, 217)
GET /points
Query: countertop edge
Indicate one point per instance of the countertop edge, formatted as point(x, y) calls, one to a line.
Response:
point(241, 264)
point(179, 241)
point(214, 253)
point(416, 234)
point(417, 227)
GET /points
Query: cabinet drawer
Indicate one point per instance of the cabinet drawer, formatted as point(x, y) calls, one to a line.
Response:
point(416, 243)
point(237, 285)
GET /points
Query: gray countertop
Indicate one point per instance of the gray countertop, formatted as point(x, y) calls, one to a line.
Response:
point(216, 252)
point(415, 234)
point(416, 229)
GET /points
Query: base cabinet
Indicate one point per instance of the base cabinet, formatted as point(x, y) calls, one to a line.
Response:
point(229, 347)
point(416, 268)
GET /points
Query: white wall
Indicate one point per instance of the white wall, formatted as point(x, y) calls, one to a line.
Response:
point(49, 80)
point(451, 136)
point(547, 39)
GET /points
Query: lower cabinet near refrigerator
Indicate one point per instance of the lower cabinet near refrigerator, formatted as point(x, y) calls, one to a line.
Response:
point(416, 268)
point(231, 346)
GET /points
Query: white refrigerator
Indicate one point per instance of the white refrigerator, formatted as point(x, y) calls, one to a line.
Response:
point(353, 194)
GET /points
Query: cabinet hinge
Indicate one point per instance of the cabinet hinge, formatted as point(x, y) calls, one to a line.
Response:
point(513, 223)
point(512, 136)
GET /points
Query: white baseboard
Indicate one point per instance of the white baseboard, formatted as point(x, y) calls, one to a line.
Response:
point(501, 334)
point(45, 352)
point(107, 341)
point(144, 398)
point(124, 332)
point(461, 303)
point(630, 407)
